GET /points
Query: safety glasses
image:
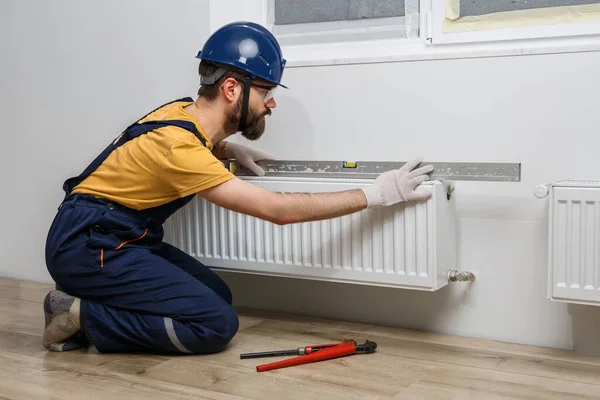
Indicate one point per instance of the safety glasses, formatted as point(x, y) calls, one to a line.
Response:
point(270, 94)
point(270, 90)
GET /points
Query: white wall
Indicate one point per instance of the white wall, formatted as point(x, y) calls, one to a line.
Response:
point(73, 75)
point(75, 72)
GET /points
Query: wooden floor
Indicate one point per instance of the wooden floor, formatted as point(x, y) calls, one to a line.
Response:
point(407, 364)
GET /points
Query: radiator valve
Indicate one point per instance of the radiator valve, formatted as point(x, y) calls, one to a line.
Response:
point(458, 276)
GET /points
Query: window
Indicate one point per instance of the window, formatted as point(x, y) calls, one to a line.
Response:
point(319, 32)
point(297, 22)
point(481, 20)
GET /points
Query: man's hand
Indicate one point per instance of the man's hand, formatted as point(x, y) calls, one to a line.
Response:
point(247, 156)
point(399, 185)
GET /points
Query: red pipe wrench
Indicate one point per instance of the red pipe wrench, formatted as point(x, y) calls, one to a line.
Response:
point(316, 353)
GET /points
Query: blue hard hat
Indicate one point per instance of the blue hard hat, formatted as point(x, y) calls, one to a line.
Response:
point(246, 46)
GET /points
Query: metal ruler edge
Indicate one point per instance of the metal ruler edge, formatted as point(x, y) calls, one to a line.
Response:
point(443, 171)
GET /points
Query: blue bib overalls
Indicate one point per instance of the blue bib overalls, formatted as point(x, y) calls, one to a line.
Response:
point(137, 292)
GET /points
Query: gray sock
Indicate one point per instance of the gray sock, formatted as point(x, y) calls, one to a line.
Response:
point(62, 313)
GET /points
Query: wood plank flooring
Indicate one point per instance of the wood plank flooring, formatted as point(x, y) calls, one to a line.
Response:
point(407, 365)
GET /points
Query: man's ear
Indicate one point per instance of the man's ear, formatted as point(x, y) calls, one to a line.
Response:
point(230, 89)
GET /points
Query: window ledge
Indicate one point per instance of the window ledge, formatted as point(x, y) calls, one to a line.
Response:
point(357, 52)
point(402, 50)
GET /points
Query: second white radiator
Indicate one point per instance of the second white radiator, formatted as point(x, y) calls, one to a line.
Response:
point(574, 242)
point(410, 246)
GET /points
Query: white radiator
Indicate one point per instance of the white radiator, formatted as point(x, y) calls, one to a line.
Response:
point(574, 242)
point(402, 246)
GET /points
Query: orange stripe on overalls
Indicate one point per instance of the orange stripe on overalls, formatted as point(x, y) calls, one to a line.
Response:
point(132, 240)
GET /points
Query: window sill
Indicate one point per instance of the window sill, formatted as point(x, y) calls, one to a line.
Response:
point(358, 52)
point(404, 50)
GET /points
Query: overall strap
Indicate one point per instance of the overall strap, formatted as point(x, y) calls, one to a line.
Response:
point(134, 130)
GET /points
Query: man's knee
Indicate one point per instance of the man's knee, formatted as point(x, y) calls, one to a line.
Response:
point(216, 335)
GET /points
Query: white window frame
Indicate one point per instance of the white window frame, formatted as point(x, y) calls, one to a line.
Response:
point(432, 43)
point(566, 30)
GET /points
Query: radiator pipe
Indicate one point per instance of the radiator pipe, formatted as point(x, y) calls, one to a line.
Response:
point(460, 276)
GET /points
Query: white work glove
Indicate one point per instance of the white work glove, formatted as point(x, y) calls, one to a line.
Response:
point(399, 185)
point(247, 156)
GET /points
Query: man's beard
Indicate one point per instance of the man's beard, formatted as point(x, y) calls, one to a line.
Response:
point(255, 123)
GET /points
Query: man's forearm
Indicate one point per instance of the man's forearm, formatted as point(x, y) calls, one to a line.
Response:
point(284, 208)
point(391, 187)
point(304, 207)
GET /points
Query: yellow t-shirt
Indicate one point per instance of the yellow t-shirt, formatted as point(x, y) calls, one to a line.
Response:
point(159, 166)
